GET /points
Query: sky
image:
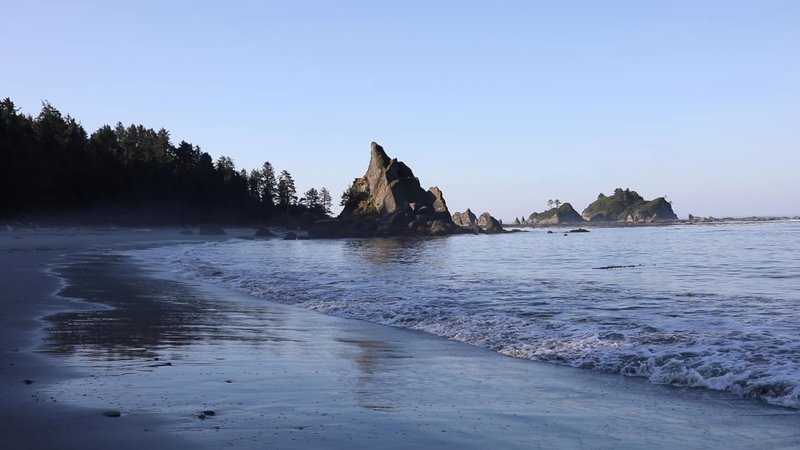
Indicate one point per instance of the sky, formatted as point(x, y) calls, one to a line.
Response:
point(503, 105)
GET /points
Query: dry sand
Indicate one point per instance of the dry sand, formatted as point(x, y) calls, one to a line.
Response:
point(276, 376)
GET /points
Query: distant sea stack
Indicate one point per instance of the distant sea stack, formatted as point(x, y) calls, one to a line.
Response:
point(628, 206)
point(389, 201)
point(563, 214)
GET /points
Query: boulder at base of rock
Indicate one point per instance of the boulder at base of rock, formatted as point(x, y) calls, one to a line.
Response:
point(290, 236)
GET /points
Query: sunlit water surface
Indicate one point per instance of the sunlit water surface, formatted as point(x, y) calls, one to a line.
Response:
point(703, 306)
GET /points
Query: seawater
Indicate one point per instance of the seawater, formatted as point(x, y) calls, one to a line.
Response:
point(706, 306)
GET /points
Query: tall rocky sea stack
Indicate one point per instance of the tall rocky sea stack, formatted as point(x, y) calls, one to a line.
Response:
point(389, 201)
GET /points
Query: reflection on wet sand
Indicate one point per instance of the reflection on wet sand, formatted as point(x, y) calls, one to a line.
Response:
point(155, 323)
point(377, 386)
point(148, 315)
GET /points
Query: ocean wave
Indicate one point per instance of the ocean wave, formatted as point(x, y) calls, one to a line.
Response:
point(681, 338)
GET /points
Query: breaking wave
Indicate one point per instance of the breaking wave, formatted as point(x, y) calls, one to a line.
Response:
point(683, 316)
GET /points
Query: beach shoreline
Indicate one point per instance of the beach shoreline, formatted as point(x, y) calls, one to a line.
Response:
point(300, 378)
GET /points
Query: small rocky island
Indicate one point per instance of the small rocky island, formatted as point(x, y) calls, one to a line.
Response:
point(389, 201)
point(628, 206)
point(622, 207)
point(562, 214)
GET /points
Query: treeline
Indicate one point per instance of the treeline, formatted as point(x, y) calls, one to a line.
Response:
point(49, 163)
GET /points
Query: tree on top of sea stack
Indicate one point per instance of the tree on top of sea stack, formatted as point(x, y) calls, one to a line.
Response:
point(628, 206)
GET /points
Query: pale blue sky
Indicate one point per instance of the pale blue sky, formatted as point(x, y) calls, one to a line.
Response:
point(501, 104)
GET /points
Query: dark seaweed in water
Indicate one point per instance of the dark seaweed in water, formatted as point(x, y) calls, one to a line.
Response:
point(629, 266)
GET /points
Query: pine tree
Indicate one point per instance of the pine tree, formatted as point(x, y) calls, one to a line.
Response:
point(287, 193)
point(269, 186)
point(326, 200)
point(313, 199)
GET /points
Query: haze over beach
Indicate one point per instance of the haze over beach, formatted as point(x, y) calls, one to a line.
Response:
point(502, 106)
point(275, 225)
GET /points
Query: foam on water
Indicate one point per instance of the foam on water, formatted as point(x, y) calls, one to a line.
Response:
point(709, 307)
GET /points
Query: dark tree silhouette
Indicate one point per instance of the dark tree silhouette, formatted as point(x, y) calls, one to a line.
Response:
point(49, 164)
point(313, 199)
point(326, 199)
point(269, 189)
point(287, 193)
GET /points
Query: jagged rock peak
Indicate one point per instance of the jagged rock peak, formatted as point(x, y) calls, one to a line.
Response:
point(389, 186)
point(465, 219)
point(378, 156)
point(388, 200)
point(439, 205)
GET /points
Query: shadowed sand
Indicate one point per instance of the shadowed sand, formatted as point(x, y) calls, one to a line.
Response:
point(194, 366)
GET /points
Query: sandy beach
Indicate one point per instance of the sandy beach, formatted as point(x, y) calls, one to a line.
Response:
point(190, 365)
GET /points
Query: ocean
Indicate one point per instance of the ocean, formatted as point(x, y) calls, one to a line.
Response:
point(703, 306)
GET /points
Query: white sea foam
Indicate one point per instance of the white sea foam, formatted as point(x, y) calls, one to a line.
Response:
point(679, 323)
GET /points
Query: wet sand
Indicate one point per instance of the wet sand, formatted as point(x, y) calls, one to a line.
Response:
point(194, 366)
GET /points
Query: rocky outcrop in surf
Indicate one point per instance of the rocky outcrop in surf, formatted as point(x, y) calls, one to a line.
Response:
point(485, 223)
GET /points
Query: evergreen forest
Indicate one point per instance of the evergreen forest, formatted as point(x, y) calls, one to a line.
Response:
point(51, 167)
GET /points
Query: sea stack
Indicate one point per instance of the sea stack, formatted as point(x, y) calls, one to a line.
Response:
point(389, 201)
point(563, 214)
point(628, 206)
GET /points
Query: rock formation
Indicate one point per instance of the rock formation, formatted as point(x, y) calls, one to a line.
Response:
point(389, 201)
point(465, 219)
point(489, 224)
point(478, 225)
point(658, 210)
point(563, 214)
point(628, 206)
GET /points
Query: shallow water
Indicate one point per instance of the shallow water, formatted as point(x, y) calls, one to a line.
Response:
point(275, 375)
point(715, 307)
